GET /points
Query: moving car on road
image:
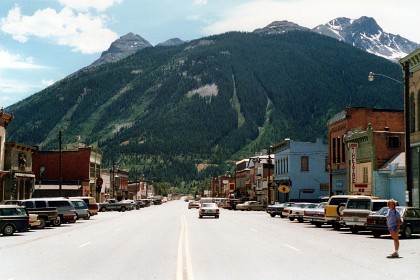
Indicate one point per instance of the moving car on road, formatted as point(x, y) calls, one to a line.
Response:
point(209, 209)
point(193, 204)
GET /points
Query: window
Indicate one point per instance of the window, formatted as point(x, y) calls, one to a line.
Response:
point(304, 163)
point(334, 156)
point(365, 175)
point(393, 142)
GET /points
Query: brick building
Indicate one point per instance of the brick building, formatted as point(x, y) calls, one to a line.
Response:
point(79, 171)
point(412, 91)
point(342, 123)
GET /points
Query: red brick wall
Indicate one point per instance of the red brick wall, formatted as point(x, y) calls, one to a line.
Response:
point(75, 164)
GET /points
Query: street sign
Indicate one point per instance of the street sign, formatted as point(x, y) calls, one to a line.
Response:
point(284, 189)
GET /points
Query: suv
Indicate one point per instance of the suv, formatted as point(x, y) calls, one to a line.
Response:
point(81, 208)
point(357, 209)
point(13, 218)
point(335, 207)
point(90, 202)
point(65, 208)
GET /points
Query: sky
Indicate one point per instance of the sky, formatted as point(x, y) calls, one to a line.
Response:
point(43, 41)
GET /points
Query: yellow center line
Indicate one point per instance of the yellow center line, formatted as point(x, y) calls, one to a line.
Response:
point(184, 251)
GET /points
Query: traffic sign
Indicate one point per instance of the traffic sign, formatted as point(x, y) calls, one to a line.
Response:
point(284, 189)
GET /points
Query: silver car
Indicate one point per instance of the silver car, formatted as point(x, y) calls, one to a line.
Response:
point(82, 210)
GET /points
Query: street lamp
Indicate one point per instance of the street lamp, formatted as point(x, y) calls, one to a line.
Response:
point(409, 175)
point(372, 75)
point(269, 161)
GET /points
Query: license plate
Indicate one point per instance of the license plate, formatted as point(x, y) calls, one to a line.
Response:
point(355, 219)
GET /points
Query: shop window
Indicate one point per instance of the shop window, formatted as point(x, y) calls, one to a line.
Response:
point(304, 163)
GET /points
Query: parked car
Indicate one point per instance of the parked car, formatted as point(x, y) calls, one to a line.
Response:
point(315, 215)
point(65, 208)
point(410, 221)
point(277, 209)
point(297, 210)
point(209, 209)
point(90, 202)
point(82, 210)
point(250, 205)
point(357, 209)
point(13, 218)
point(45, 214)
point(193, 204)
point(34, 222)
point(335, 207)
point(134, 204)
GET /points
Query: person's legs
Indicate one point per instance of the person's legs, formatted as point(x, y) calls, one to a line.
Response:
point(394, 236)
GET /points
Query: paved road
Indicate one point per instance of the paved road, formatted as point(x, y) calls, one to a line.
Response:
point(170, 242)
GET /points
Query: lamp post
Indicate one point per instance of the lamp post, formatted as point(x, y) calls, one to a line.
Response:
point(409, 175)
point(269, 160)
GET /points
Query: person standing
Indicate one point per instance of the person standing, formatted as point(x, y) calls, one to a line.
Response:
point(393, 219)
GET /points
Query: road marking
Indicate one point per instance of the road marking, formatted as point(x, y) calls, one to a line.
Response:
point(291, 247)
point(85, 244)
point(184, 251)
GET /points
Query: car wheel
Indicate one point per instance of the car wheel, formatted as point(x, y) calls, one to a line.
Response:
point(272, 215)
point(249, 209)
point(87, 218)
point(8, 230)
point(56, 222)
point(406, 233)
point(200, 216)
point(300, 220)
point(217, 217)
point(292, 219)
point(354, 230)
point(103, 209)
point(318, 225)
point(43, 223)
point(281, 216)
point(376, 234)
point(123, 209)
point(336, 226)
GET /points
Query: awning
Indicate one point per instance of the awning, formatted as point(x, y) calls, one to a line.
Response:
point(56, 187)
point(27, 175)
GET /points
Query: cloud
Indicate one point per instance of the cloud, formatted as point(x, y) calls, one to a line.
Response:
point(17, 62)
point(83, 32)
point(200, 2)
point(84, 5)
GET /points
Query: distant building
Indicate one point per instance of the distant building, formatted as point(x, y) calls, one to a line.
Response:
point(342, 123)
point(300, 171)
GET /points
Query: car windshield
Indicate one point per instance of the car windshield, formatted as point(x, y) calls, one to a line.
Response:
point(383, 211)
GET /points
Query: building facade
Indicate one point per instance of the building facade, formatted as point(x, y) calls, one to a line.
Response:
point(78, 175)
point(300, 171)
point(20, 180)
point(368, 151)
point(412, 91)
point(343, 122)
point(5, 119)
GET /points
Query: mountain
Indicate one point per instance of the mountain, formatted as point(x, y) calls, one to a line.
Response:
point(121, 48)
point(364, 33)
point(280, 27)
point(209, 102)
point(172, 42)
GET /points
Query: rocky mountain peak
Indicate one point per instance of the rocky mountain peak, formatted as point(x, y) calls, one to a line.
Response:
point(122, 47)
point(365, 33)
point(280, 27)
